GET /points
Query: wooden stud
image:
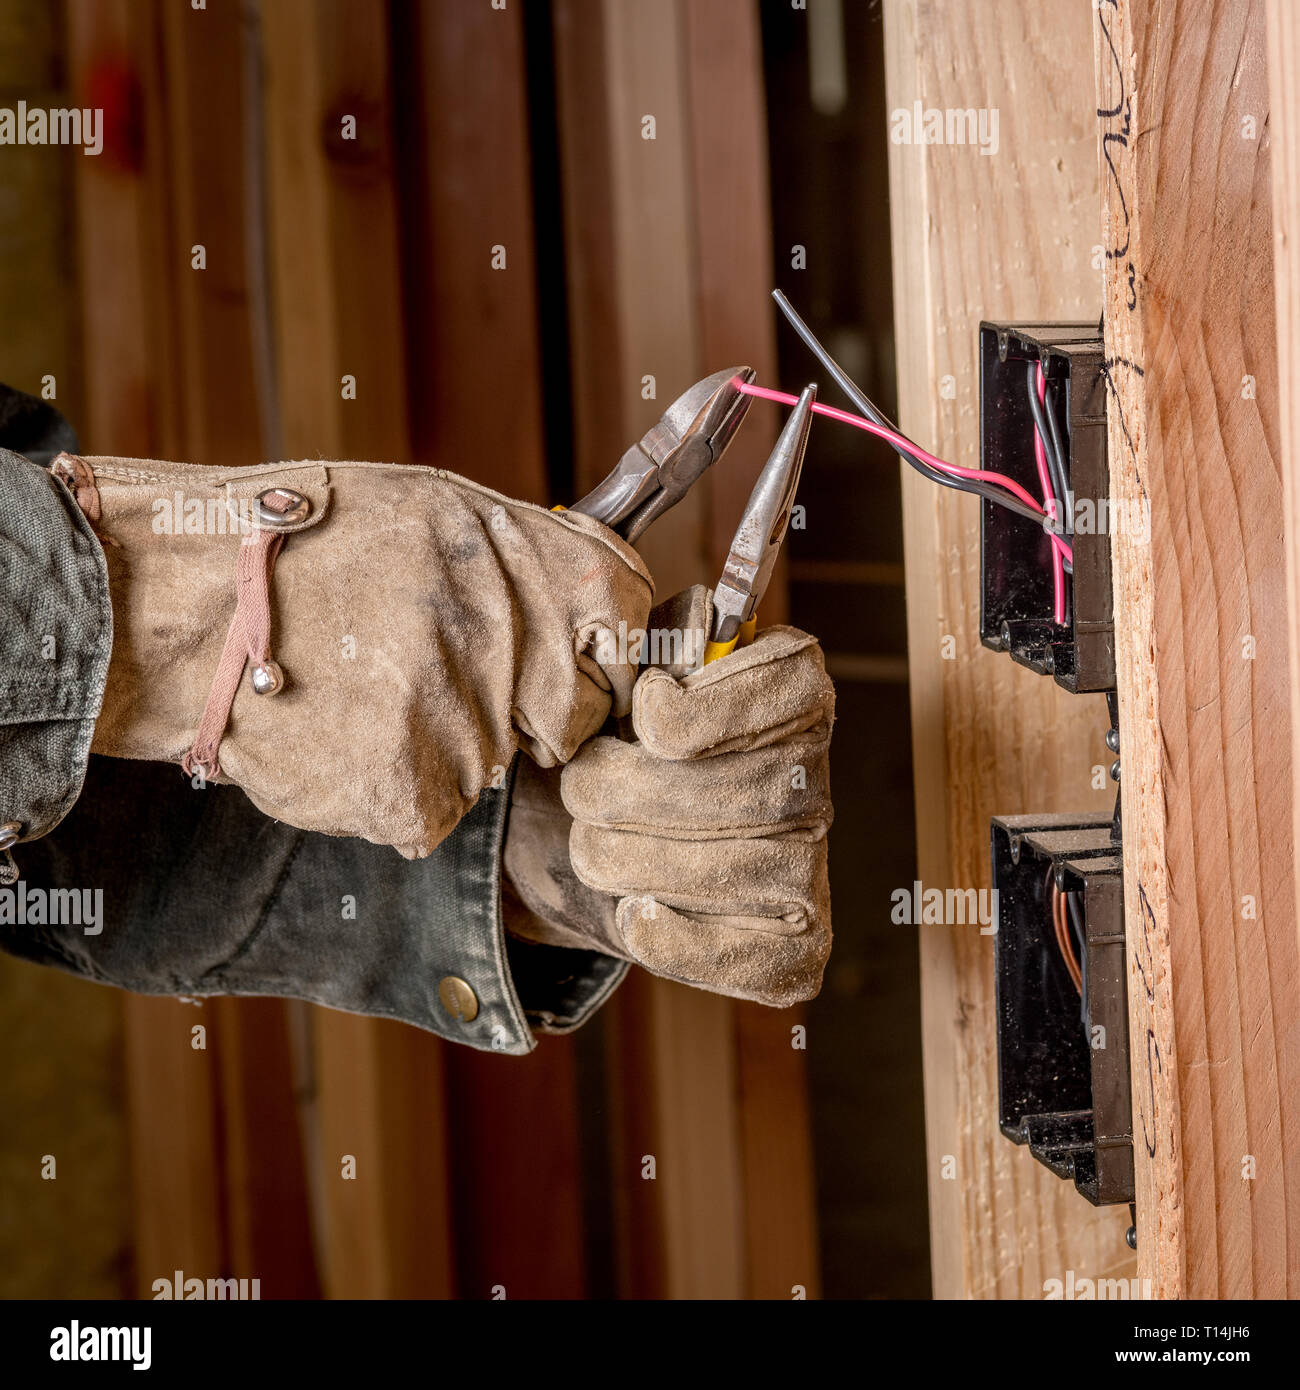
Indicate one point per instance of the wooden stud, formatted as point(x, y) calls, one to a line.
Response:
point(165, 343)
point(477, 409)
point(336, 275)
point(734, 277)
point(733, 254)
point(1284, 125)
point(670, 276)
point(633, 314)
point(267, 1212)
point(1005, 237)
point(171, 1089)
point(517, 1171)
point(470, 273)
point(1202, 638)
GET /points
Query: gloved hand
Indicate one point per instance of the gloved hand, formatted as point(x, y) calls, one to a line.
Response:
point(426, 628)
point(698, 851)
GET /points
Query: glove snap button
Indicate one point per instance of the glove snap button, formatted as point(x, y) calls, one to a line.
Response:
point(278, 508)
point(458, 999)
point(268, 678)
point(9, 833)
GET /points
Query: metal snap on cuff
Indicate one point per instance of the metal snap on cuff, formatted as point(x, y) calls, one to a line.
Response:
point(458, 998)
point(9, 833)
point(278, 508)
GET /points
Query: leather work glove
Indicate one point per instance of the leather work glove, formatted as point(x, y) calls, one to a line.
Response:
point(698, 851)
point(410, 630)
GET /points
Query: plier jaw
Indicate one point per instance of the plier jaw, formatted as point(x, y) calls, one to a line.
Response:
point(763, 524)
point(660, 468)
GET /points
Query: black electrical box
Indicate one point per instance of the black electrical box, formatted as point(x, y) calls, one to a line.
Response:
point(1016, 590)
point(1063, 1052)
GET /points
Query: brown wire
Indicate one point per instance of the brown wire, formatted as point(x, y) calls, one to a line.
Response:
point(1063, 942)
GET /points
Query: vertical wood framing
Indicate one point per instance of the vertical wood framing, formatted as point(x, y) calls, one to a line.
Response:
point(335, 270)
point(476, 407)
point(653, 264)
point(267, 1211)
point(1284, 125)
point(734, 274)
point(516, 1173)
point(220, 419)
point(1205, 706)
point(669, 278)
point(473, 336)
point(633, 314)
point(733, 251)
point(216, 1152)
point(1004, 236)
point(170, 1088)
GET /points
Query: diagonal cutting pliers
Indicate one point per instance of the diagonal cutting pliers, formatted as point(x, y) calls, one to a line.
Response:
point(661, 467)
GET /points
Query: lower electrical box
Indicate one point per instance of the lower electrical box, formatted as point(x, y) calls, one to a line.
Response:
point(1062, 1002)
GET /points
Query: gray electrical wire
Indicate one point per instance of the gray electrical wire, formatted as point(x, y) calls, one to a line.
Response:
point(1044, 421)
point(989, 491)
point(1049, 432)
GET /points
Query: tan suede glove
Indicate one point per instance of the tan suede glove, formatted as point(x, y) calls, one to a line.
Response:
point(427, 628)
point(698, 851)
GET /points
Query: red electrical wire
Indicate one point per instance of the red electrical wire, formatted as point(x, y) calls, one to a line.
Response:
point(898, 440)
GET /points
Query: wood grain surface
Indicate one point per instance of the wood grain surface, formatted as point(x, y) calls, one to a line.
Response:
point(1007, 235)
point(1202, 649)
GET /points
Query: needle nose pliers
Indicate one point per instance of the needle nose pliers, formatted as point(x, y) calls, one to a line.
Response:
point(661, 467)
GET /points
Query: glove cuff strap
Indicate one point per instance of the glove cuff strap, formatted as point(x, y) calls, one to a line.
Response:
point(249, 636)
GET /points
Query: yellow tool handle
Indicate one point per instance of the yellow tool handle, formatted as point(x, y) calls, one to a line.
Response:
point(715, 650)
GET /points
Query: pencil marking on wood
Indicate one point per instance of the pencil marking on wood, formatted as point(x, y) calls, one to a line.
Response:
point(1117, 137)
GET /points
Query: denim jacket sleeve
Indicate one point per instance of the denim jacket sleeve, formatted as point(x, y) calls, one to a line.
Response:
point(153, 885)
point(56, 636)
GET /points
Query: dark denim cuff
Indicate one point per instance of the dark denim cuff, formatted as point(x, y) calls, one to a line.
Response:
point(561, 989)
point(56, 637)
point(204, 895)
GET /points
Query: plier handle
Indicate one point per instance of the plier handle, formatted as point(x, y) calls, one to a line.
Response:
point(757, 542)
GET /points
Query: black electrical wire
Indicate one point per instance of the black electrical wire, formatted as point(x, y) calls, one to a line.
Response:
point(1049, 432)
point(989, 491)
point(1058, 444)
point(859, 397)
point(1055, 465)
